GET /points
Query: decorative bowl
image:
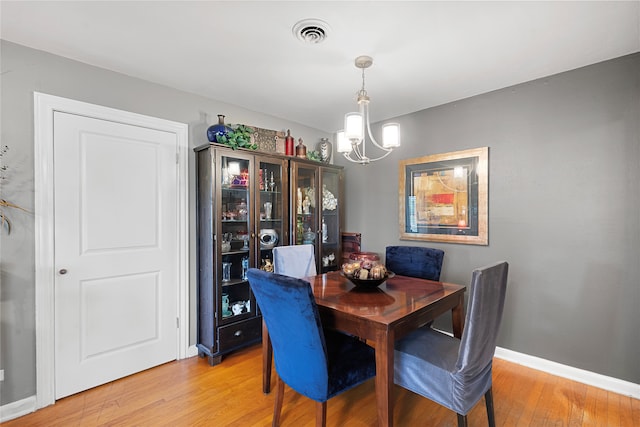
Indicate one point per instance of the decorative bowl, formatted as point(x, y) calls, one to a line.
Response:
point(369, 283)
point(268, 238)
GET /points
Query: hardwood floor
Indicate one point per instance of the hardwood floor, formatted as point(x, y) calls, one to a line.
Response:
point(191, 393)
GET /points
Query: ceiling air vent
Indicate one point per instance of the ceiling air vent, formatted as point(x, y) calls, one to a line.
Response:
point(311, 31)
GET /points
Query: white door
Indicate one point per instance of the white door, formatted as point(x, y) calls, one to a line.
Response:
point(116, 246)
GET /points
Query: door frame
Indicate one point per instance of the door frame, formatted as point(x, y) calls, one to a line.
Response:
point(44, 107)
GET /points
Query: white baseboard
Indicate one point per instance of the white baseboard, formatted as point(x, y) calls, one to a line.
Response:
point(586, 377)
point(192, 351)
point(569, 372)
point(17, 409)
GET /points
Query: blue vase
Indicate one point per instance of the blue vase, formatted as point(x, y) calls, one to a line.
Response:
point(218, 129)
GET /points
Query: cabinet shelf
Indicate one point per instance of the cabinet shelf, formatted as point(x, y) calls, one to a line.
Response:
point(236, 252)
point(330, 243)
point(232, 282)
point(239, 188)
point(234, 317)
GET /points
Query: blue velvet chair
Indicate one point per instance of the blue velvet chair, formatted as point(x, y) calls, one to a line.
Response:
point(457, 373)
point(315, 363)
point(295, 261)
point(414, 261)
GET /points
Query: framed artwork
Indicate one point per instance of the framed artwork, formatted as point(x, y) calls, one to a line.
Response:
point(444, 197)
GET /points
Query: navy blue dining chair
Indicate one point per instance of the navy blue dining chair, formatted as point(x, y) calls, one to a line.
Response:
point(415, 261)
point(295, 261)
point(316, 363)
point(453, 372)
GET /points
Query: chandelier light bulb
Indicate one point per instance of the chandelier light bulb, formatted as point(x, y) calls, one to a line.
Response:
point(391, 135)
point(344, 145)
point(354, 127)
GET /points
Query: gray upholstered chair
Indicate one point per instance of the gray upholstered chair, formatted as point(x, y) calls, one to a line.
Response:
point(316, 363)
point(294, 261)
point(414, 261)
point(457, 373)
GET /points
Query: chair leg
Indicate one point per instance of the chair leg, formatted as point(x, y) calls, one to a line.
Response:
point(321, 414)
point(267, 359)
point(488, 400)
point(277, 406)
point(462, 420)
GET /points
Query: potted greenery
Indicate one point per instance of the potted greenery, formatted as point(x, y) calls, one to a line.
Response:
point(237, 137)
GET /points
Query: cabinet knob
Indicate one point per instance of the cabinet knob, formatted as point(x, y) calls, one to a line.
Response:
point(63, 271)
point(237, 333)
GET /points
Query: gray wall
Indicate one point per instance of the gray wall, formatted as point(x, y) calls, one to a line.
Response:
point(24, 71)
point(563, 199)
point(564, 209)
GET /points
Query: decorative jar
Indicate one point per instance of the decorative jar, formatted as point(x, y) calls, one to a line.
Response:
point(325, 149)
point(218, 129)
point(308, 237)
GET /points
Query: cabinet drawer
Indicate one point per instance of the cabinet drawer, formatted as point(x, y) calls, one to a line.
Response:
point(238, 334)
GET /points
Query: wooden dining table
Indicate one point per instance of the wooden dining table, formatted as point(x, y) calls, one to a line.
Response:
point(381, 315)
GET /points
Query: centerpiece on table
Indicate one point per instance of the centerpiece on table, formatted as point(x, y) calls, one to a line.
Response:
point(366, 273)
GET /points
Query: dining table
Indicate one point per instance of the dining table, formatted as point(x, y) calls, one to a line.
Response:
point(381, 315)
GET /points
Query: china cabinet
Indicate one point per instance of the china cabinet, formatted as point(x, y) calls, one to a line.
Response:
point(316, 209)
point(242, 213)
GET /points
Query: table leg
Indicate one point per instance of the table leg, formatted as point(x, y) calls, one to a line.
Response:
point(267, 356)
point(384, 377)
point(457, 317)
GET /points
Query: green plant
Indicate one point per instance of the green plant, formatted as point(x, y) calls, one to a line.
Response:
point(238, 137)
point(314, 155)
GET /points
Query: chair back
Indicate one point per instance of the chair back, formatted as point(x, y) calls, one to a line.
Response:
point(291, 314)
point(484, 314)
point(295, 260)
point(415, 261)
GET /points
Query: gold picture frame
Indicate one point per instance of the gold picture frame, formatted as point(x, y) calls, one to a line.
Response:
point(444, 197)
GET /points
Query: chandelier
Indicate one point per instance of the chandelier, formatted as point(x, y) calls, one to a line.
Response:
point(352, 140)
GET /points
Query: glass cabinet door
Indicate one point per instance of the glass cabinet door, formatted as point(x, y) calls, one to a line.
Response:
point(330, 221)
point(234, 236)
point(316, 211)
point(304, 205)
point(271, 209)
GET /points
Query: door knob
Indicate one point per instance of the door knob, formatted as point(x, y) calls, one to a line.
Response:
point(63, 271)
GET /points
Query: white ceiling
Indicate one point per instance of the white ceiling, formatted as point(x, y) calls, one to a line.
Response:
point(244, 52)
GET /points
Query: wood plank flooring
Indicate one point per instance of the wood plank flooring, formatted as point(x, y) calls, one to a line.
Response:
point(192, 393)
